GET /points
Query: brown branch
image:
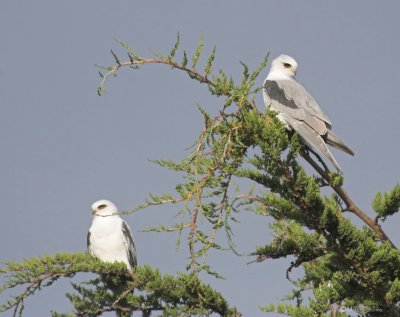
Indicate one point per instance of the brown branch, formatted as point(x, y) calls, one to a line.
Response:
point(30, 289)
point(333, 310)
point(191, 71)
point(319, 159)
point(350, 204)
point(219, 221)
point(112, 308)
point(18, 308)
point(191, 237)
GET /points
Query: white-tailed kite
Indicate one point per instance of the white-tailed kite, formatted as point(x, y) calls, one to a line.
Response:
point(298, 110)
point(109, 238)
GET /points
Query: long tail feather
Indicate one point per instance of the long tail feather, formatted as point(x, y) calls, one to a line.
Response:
point(334, 141)
point(315, 142)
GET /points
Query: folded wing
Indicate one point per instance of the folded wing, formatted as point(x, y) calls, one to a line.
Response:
point(302, 113)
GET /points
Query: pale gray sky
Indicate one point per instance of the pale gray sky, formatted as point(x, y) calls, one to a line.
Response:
point(63, 147)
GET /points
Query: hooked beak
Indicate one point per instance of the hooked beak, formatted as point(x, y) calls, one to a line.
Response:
point(293, 70)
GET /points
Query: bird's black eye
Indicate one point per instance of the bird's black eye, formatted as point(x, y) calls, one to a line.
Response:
point(287, 65)
point(102, 206)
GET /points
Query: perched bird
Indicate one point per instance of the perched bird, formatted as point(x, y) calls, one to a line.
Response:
point(110, 240)
point(298, 110)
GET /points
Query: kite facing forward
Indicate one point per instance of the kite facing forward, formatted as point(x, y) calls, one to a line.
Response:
point(298, 110)
point(110, 240)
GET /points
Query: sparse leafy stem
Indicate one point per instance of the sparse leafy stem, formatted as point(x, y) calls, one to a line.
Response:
point(161, 57)
point(131, 53)
point(259, 69)
point(116, 58)
point(174, 49)
point(184, 60)
point(210, 60)
point(199, 49)
point(245, 73)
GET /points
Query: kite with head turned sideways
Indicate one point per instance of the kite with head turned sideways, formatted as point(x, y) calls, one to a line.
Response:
point(298, 110)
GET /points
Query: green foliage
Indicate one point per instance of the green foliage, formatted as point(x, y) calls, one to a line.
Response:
point(210, 60)
point(199, 49)
point(184, 295)
point(299, 311)
point(387, 204)
point(174, 49)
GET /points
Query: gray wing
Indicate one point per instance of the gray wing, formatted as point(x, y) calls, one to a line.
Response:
point(301, 112)
point(291, 98)
point(130, 244)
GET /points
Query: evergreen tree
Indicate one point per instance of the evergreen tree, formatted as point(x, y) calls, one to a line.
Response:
point(344, 265)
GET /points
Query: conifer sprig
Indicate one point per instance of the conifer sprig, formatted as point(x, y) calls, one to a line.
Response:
point(183, 295)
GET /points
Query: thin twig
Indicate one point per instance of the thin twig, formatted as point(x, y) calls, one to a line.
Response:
point(192, 72)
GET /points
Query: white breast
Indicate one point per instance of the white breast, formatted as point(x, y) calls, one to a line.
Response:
point(107, 241)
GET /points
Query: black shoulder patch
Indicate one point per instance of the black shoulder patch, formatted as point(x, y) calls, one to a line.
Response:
point(275, 93)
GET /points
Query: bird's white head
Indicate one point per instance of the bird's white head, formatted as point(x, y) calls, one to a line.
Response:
point(283, 67)
point(104, 208)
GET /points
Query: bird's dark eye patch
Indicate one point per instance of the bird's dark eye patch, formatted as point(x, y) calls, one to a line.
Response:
point(102, 206)
point(287, 65)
